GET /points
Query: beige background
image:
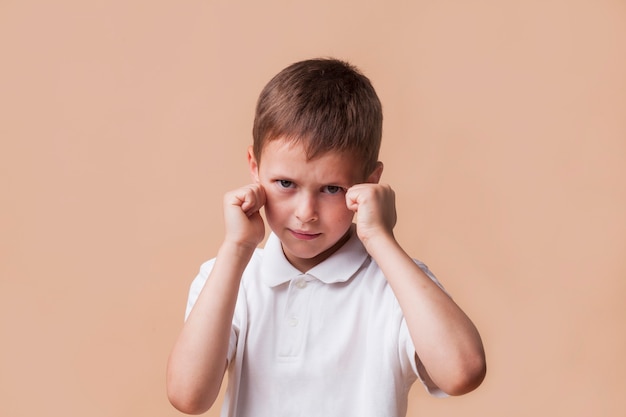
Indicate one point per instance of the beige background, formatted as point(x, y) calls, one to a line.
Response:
point(122, 123)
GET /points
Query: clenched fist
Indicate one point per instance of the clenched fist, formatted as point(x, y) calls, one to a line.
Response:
point(375, 208)
point(243, 222)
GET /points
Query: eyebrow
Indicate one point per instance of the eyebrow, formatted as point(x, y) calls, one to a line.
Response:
point(339, 183)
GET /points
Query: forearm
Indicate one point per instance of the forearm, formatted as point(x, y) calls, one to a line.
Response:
point(198, 360)
point(445, 339)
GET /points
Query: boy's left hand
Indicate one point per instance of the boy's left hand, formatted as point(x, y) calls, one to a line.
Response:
point(375, 208)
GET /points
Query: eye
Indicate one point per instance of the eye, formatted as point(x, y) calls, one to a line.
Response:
point(284, 183)
point(332, 189)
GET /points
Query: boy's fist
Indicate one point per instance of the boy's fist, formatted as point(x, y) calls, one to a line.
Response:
point(375, 208)
point(243, 222)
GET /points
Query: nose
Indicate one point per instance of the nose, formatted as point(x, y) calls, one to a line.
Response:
point(306, 209)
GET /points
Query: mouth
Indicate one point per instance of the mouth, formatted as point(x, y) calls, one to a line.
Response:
point(302, 235)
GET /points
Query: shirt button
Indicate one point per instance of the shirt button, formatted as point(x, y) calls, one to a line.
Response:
point(301, 283)
point(293, 321)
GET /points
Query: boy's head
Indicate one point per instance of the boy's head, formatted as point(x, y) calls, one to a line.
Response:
point(326, 105)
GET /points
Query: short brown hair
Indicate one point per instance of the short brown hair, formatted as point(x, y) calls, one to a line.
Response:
point(327, 104)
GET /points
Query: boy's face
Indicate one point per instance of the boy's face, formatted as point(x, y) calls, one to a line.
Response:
point(305, 199)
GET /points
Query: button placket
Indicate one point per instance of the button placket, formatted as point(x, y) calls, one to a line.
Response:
point(293, 328)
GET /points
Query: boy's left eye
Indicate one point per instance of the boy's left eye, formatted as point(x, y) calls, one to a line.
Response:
point(332, 189)
point(285, 183)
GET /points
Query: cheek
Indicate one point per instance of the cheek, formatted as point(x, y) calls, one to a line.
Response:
point(349, 216)
point(275, 208)
point(340, 213)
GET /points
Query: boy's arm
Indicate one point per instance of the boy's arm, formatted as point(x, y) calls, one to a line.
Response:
point(198, 360)
point(446, 341)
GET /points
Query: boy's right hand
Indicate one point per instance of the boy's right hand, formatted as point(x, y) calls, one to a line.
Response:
point(243, 222)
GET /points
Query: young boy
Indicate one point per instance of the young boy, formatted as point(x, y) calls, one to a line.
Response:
point(332, 317)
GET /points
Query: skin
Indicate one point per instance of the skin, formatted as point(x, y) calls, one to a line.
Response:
point(311, 205)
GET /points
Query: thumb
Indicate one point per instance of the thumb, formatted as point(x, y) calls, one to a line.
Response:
point(352, 200)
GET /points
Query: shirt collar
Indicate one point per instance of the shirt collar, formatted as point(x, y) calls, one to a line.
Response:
point(339, 267)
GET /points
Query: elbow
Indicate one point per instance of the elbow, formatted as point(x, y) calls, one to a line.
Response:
point(186, 396)
point(187, 408)
point(468, 376)
point(190, 391)
point(186, 403)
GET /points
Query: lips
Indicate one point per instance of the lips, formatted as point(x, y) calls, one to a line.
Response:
point(302, 235)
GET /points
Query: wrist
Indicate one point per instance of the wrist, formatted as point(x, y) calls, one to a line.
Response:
point(237, 249)
point(377, 244)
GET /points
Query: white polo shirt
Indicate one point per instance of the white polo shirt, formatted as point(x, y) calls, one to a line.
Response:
point(330, 342)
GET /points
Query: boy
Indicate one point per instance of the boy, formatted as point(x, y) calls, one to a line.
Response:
point(332, 317)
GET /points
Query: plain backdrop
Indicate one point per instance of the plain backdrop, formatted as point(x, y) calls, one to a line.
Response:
point(122, 123)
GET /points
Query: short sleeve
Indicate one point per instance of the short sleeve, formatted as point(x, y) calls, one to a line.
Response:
point(198, 284)
point(429, 274)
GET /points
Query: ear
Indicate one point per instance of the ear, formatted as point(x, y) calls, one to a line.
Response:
point(374, 177)
point(253, 164)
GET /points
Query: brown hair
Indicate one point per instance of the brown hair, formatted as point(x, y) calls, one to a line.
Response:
point(325, 103)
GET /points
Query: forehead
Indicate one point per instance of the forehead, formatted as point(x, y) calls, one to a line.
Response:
point(288, 159)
